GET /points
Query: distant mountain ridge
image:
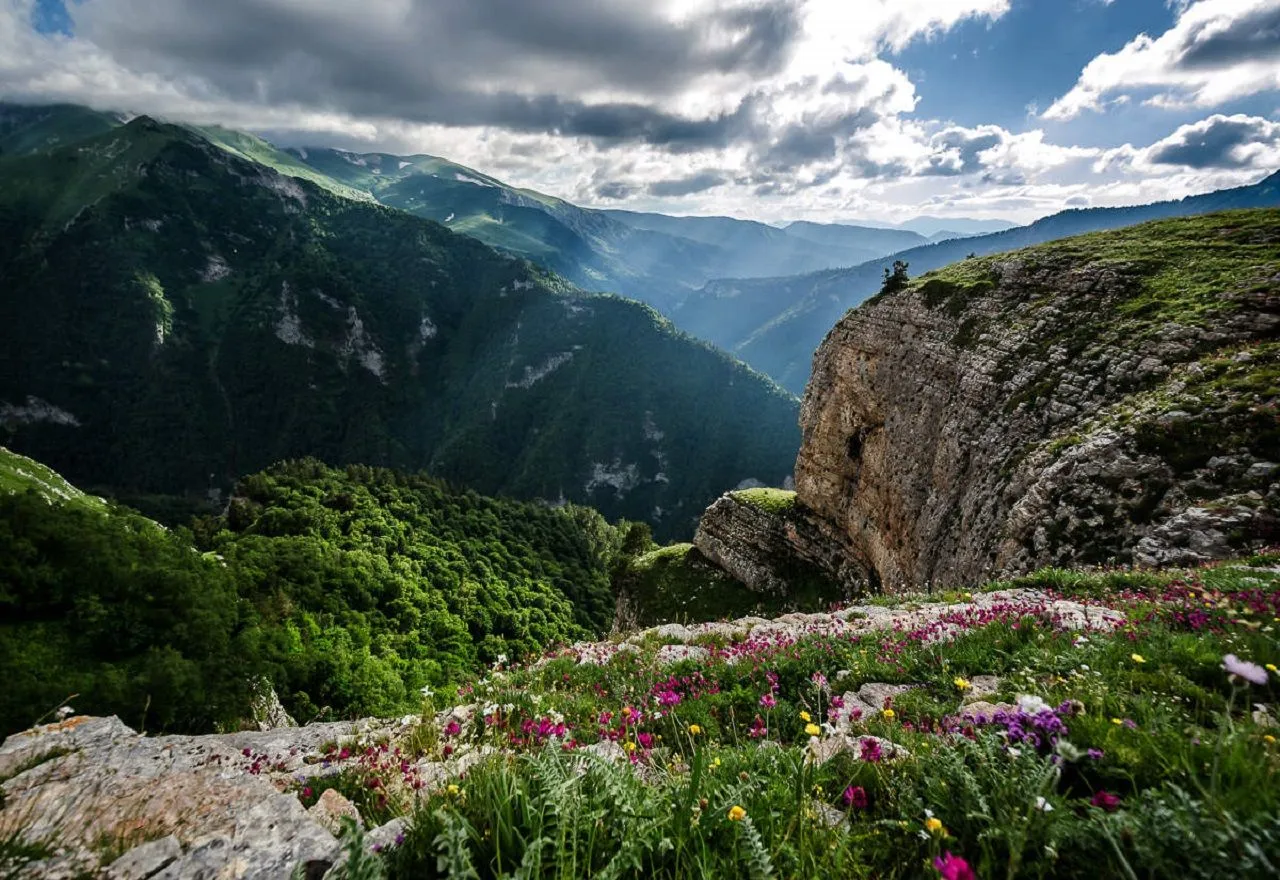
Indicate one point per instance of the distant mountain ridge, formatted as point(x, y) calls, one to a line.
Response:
point(777, 323)
point(173, 315)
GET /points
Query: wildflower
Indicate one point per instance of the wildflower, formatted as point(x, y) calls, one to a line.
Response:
point(1250, 672)
point(1105, 800)
point(695, 729)
point(870, 750)
point(1269, 739)
point(804, 716)
point(453, 790)
point(855, 796)
point(427, 692)
point(962, 684)
point(933, 824)
point(812, 729)
point(736, 813)
point(629, 746)
point(1032, 705)
point(953, 868)
point(306, 792)
point(1137, 658)
point(1271, 667)
point(1095, 754)
point(888, 713)
point(768, 701)
point(1043, 805)
point(1116, 721)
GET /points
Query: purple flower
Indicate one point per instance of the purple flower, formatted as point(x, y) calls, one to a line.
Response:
point(1105, 800)
point(1095, 754)
point(855, 796)
point(1250, 672)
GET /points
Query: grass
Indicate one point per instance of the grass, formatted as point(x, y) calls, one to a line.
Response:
point(775, 501)
point(1156, 767)
point(21, 474)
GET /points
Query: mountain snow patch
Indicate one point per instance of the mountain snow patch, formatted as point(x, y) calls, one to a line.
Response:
point(533, 375)
point(465, 178)
point(216, 270)
point(361, 344)
point(622, 478)
point(289, 327)
point(404, 165)
point(36, 410)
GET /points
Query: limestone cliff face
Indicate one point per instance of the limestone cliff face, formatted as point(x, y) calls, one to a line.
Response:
point(1106, 398)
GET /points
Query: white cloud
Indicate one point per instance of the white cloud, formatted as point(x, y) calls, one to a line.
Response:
point(1216, 51)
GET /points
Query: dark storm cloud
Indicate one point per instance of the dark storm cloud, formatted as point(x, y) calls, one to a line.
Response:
point(1210, 144)
point(684, 186)
point(1252, 37)
point(512, 64)
point(615, 191)
point(956, 151)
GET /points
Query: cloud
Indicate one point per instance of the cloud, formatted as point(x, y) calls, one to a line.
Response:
point(1231, 142)
point(1216, 51)
point(683, 186)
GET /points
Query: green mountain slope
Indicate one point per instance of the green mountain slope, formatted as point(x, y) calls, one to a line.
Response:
point(174, 316)
point(781, 321)
point(19, 474)
point(25, 129)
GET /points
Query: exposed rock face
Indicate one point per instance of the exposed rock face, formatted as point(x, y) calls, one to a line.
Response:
point(1055, 406)
point(769, 550)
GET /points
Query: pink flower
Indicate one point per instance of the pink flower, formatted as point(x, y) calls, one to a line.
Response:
point(871, 750)
point(855, 796)
point(1105, 800)
point(1250, 672)
point(453, 728)
point(953, 868)
point(768, 701)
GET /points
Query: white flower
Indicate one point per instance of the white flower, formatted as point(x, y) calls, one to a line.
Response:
point(1043, 805)
point(1032, 705)
point(64, 712)
point(502, 659)
point(427, 692)
point(1014, 753)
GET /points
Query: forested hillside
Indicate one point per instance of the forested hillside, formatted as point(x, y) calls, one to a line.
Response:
point(348, 590)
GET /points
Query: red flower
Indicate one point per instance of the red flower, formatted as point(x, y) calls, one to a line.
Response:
point(953, 868)
point(1105, 800)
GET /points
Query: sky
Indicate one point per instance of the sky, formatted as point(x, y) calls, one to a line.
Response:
point(774, 110)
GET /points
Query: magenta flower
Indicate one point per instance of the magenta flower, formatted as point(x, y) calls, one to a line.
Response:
point(768, 701)
point(1105, 800)
point(953, 867)
point(855, 796)
point(871, 750)
point(1250, 672)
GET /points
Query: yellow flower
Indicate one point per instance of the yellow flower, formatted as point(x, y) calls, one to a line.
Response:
point(695, 729)
point(715, 763)
point(1137, 658)
point(453, 790)
point(630, 746)
point(889, 713)
point(934, 824)
point(1271, 667)
point(962, 684)
point(804, 716)
point(812, 729)
point(736, 813)
point(1269, 740)
point(1116, 721)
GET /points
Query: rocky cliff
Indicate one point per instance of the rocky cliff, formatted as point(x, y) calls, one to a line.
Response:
point(1110, 398)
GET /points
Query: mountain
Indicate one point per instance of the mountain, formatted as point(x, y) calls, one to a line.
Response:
point(777, 323)
point(174, 316)
point(841, 235)
point(763, 250)
point(930, 227)
point(25, 129)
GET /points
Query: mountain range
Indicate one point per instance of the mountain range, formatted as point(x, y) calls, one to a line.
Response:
point(175, 315)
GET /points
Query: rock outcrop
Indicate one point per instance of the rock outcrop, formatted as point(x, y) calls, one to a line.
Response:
point(771, 547)
point(1106, 399)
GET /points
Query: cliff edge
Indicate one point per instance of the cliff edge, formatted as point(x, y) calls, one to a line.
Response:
point(1110, 398)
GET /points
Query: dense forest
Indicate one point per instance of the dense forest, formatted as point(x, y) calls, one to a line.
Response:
point(349, 590)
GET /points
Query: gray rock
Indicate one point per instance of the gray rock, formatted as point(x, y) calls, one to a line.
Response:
point(669, 654)
point(332, 808)
point(146, 860)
